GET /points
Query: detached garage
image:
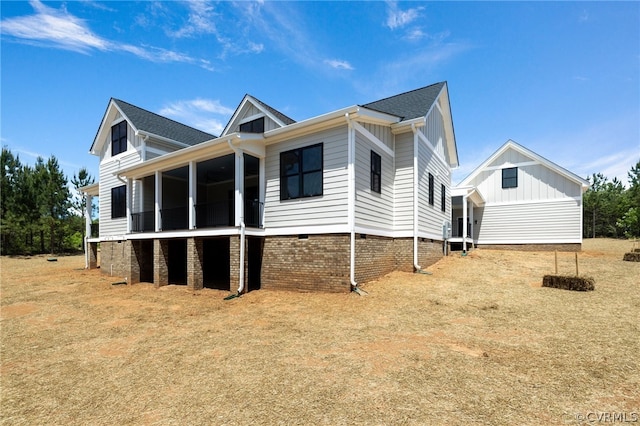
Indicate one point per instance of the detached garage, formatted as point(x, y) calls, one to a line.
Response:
point(519, 200)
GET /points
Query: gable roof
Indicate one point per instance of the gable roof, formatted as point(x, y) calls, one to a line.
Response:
point(413, 104)
point(151, 124)
point(269, 111)
point(510, 144)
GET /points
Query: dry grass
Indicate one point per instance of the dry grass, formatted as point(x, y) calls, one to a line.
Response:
point(479, 341)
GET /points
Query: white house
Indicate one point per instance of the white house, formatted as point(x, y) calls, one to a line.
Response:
point(319, 204)
point(520, 200)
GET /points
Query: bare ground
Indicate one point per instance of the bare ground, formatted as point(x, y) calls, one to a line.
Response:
point(478, 341)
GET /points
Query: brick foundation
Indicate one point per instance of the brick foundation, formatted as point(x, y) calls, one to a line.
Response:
point(160, 262)
point(113, 258)
point(195, 257)
point(315, 263)
point(571, 247)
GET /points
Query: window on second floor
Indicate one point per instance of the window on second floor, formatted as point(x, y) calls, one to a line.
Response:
point(431, 189)
point(301, 172)
point(443, 198)
point(118, 202)
point(253, 126)
point(510, 178)
point(119, 138)
point(376, 172)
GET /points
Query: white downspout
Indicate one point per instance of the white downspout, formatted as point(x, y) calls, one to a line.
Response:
point(351, 202)
point(240, 207)
point(465, 207)
point(416, 266)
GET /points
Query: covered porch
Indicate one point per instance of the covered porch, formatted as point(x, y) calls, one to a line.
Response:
point(223, 188)
point(463, 202)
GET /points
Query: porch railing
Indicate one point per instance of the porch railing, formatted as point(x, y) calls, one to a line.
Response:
point(253, 213)
point(215, 214)
point(143, 221)
point(175, 218)
point(95, 230)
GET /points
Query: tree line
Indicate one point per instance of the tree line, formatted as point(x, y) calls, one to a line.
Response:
point(610, 208)
point(38, 211)
point(40, 214)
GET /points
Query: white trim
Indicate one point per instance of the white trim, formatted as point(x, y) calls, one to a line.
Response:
point(577, 199)
point(371, 138)
point(251, 118)
point(511, 165)
point(427, 142)
point(311, 230)
point(534, 241)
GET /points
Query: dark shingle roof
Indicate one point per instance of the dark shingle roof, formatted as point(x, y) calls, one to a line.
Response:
point(151, 122)
point(409, 105)
point(286, 120)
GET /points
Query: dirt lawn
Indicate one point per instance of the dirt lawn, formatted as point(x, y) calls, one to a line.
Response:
point(477, 342)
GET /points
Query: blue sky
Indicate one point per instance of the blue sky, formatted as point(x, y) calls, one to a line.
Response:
point(561, 78)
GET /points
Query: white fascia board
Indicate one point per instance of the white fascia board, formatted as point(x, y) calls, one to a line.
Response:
point(92, 189)
point(161, 138)
point(95, 146)
point(209, 149)
point(405, 126)
point(307, 230)
point(328, 120)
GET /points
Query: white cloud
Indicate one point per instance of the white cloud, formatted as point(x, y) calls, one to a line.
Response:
point(62, 30)
point(397, 18)
point(338, 64)
point(205, 114)
point(200, 20)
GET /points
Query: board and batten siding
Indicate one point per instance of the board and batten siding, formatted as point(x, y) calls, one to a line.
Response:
point(555, 221)
point(328, 209)
point(373, 210)
point(403, 184)
point(434, 131)
point(535, 181)
point(251, 110)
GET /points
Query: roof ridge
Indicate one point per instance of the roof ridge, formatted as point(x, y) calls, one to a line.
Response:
point(406, 93)
point(162, 116)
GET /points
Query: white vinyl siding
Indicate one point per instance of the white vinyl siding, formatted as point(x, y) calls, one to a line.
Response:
point(556, 221)
point(373, 209)
point(327, 209)
point(431, 217)
point(108, 180)
point(403, 184)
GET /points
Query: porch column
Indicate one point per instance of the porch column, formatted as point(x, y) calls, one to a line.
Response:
point(193, 177)
point(158, 201)
point(160, 262)
point(465, 206)
point(262, 185)
point(194, 263)
point(239, 190)
point(87, 229)
point(471, 223)
point(129, 203)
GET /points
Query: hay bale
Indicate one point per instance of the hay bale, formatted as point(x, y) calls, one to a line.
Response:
point(565, 282)
point(632, 257)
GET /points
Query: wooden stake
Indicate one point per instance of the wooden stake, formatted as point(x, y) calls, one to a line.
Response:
point(577, 272)
point(556, 253)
